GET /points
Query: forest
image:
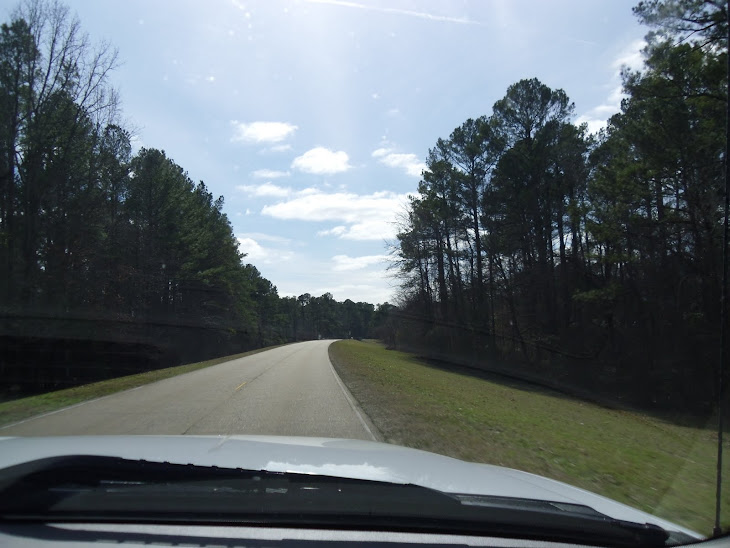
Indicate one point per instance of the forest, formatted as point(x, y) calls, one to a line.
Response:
point(592, 261)
point(586, 260)
point(112, 255)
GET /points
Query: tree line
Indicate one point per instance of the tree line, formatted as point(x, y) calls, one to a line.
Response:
point(593, 260)
point(100, 243)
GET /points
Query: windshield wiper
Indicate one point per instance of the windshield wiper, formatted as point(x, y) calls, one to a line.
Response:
point(110, 489)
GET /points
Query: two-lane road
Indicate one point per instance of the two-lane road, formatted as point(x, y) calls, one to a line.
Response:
point(290, 390)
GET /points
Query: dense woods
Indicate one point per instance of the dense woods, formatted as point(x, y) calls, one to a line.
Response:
point(109, 256)
point(588, 260)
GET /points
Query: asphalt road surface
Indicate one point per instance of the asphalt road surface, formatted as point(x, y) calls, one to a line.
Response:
point(292, 390)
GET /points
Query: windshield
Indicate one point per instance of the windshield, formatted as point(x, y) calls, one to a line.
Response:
point(494, 231)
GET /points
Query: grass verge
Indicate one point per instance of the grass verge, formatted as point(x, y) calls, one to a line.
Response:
point(662, 468)
point(23, 408)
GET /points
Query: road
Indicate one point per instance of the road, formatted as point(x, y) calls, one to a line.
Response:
point(290, 390)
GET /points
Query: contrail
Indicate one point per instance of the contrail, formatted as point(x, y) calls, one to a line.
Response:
point(410, 13)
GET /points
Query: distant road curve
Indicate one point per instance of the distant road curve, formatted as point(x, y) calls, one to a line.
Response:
point(290, 390)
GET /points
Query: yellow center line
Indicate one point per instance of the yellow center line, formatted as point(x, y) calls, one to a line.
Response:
point(240, 386)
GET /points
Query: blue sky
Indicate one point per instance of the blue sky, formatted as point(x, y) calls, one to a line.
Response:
point(313, 118)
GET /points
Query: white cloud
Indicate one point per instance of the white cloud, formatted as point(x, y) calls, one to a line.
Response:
point(269, 174)
point(322, 161)
point(267, 189)
point(409, 162)
point(316, 275)
point(372, 286)
point(630, 57)
point(364, 217)
point(270, 190)
point(261, 237)
point(261, 132)
point(594, 124)
point(370, 293)
point(374, 229)
point(279, 148)
point(258, 254)
point(338, 230)
point(345, 262)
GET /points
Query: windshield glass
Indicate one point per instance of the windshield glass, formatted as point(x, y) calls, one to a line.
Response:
point(489, 230)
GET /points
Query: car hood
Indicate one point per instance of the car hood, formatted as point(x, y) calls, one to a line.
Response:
point(354, 459)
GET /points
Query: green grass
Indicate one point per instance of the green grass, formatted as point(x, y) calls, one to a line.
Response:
point(659, 467)
point(23, 408)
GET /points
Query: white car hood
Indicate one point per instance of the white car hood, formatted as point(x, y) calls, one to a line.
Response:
point(331, 457)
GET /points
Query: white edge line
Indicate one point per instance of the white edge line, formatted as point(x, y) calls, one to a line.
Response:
point(350, 398)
